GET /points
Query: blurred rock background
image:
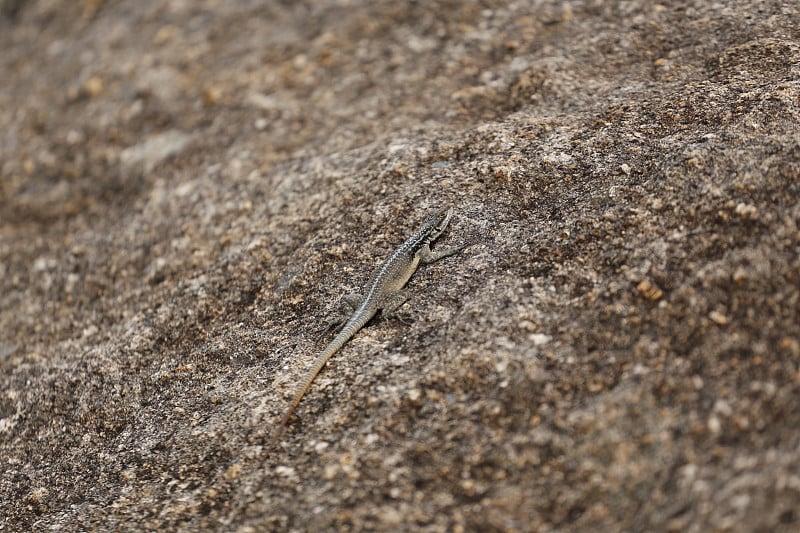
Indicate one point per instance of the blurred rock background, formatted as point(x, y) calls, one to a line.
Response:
point(187, 187)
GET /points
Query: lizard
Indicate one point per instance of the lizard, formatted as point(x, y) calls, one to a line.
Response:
point(384, 293)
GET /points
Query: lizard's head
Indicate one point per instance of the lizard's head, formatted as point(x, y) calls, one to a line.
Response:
point(437, 221)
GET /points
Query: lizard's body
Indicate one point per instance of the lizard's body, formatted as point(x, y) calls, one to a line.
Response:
point(382, 294)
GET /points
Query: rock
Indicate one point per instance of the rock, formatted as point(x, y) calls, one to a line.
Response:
point(143, 157)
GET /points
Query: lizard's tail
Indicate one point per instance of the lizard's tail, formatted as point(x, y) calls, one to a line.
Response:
point(345, 335)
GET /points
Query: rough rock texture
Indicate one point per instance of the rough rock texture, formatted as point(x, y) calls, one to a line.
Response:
point(187, 187)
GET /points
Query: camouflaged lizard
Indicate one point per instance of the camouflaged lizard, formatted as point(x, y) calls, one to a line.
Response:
point(384, 293)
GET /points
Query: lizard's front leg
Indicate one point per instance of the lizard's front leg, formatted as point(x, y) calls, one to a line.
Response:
point(427, 256)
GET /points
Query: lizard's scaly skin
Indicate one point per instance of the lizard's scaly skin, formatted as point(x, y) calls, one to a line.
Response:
point(388, 280)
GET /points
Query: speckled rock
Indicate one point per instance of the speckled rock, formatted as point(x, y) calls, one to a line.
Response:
point(186, 188)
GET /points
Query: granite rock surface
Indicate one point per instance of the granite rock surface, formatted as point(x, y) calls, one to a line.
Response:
point(186, 188)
